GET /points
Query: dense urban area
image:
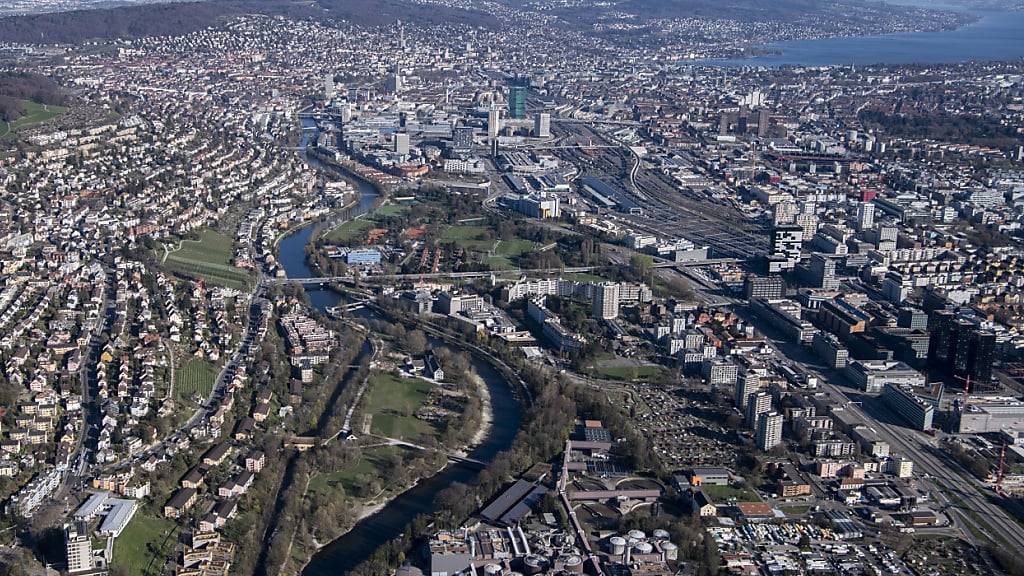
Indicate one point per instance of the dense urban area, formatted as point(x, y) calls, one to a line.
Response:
point(505, 288)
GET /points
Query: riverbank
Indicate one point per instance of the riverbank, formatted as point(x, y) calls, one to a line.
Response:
point(486, 415)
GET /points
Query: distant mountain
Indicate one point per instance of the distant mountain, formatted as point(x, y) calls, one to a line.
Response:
point(181, 18)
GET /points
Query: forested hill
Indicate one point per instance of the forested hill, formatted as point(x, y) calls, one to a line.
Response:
point(181, 18)
point(17, 86)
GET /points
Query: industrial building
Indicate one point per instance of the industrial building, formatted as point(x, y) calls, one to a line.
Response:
point(992, 415)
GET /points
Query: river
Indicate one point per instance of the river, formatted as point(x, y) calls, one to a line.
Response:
point(343, 554)
point(996, 35)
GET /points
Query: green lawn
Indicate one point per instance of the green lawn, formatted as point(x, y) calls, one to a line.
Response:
point(628, 372)
point(393, 402)
point(468, 237)
point(372, 464)
point(514, 248)
point(209, 258)
point(195, 377)
point(132, 549)
point(34, 114)
point(350, 230)
point(722, 494)
point(500, 263)
point(391, 210)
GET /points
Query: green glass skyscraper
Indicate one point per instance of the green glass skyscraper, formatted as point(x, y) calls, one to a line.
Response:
point(517, 102)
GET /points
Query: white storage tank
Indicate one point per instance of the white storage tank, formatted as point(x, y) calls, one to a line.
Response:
point(660, 534)
point(574, 564)
point(492, 570)
point(637, 534)
point(671, 550)
point(643, 548)
point(617, 544)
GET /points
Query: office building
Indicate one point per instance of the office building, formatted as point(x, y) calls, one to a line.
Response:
point(394, 81)
point(78, 545)
point(493, 123)
point(823, 272)
point(960, 349)
point(769, 431)
point(872, 375)
point(605, 305)
point(758, 403)
point(448, 303)
point(538, 205)
point(786, 244)
point(542, 125)
point(913, 318)
point(828, 348)
point(401, 143)
point(462, 140)
point(763, 119)
point(329, 87)
point(517, 102)
point(766, 287)
point(865, 215)
point(842, 318)
point(913, 409)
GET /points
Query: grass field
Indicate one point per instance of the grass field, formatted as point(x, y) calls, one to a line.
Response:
point(393, 401)
point(34, 114)
point(132, 549)
point(372, 465)
point(627, 372)
point(391, 210)
point(500, 263)
point(209, 258)
point(195, 377)
point(468, 237)
point(354, 229)
point(514, 248)
point(720, 494)
point(350, 230)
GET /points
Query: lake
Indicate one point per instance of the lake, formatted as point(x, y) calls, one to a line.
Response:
point(998, 35)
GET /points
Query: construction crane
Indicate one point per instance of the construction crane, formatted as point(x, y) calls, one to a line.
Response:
point(999, 474)
point(967, 388)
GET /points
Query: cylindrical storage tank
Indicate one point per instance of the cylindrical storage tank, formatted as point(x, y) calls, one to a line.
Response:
point(671, 550)
point(638, 534)
point(492, 570)
point(660, 534)
point(643, 548)
point(574, 564)
point(534, 564)
point(617, 544)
